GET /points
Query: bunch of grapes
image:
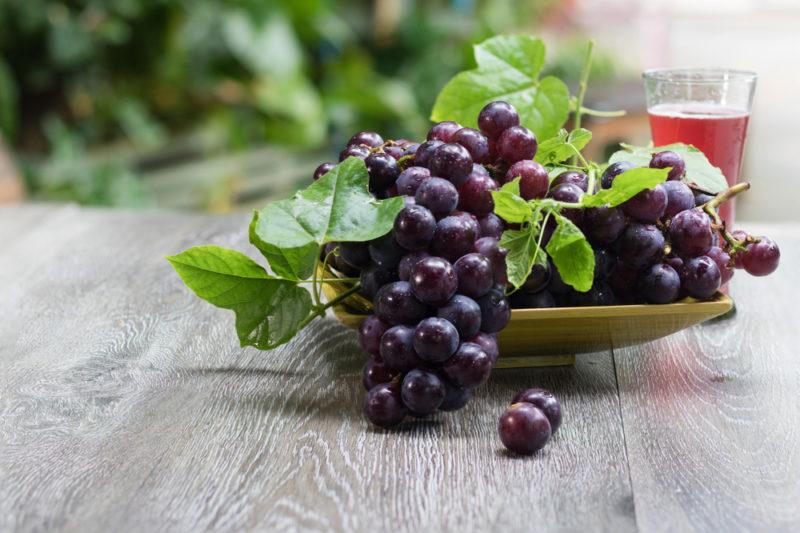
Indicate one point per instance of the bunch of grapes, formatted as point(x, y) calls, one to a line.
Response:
point(438, 281)
point(662, 245)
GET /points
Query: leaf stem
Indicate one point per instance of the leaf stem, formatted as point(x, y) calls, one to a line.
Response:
point(592, 178)
point(603, 114)
point(314, 277)
point(320, 308)
point(584, 81)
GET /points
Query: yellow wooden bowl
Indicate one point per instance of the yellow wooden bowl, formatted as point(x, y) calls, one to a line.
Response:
point(546, 337)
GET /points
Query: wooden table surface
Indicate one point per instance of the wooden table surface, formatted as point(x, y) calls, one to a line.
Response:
point(126, 404)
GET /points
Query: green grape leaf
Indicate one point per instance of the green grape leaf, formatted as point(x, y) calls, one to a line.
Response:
point(572, 254)
point(523, 250)
point(511, 207)
point(508, 69)
point(626, 186)
point(557, 149)
point(700, 173)
point(290, 262)
point(511, 186)
point(269, 311)
point(336, 208)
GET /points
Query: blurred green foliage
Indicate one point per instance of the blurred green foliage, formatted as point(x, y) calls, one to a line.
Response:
point(80, 74)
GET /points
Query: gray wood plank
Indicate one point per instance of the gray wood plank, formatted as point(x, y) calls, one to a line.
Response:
point(126, 404)
point(712, 414)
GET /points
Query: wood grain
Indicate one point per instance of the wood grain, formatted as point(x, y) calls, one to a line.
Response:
point(712, 414)
point(126, 404)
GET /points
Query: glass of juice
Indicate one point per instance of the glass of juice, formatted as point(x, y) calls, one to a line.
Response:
point(707, 108)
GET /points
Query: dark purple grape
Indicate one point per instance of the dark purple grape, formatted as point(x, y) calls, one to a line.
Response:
point(396, 152)
point(395, 303)
point(454, 237)
point(480, 169)
point(360, 152)
point(407, 263)
point(422, 391)
point(574, 177)
point(443, 131)
point(524, 429)
point(531, 300)
point(556, 284)
point(647, 206)
point(397, 349)
point(424, 152)
point(475, 194)
point(496, 117)
point(386, 251)
point(370, 332)
point(570, 193)
point(744, 238)
point(600, 294)
point(410, 179)
point(491, 225)
point(367, 138)
point(603, 263)
point(701, 198)
point(433, 280)
point(438, 195)
point(544, 400)
point(374, 373)
point(464, 313)
point(660, 284)
point(384, 406)
point(761, 258)
point(435, 339)
point(532, 174)
point(383, 171)
point(516, 143)
point(690, 233)
point(612, 171)
point(723, 261)
point(537, 279)
point(641, 245)
point(454, 397)
point(623, 281)
point(414, 227)
point(355, 254)
point(476, 144)
point(675, 262)
point(475, 274)
point(490, 247)
point(375, 277)
point(679, 198)
point(495, 311)
point(469, 219)
point(411, 149)
point(452, 162)
point(700, 277)
point(488, 343)
point(603, 224)
point(469, 366)
point(323, 169)
point(669, 159)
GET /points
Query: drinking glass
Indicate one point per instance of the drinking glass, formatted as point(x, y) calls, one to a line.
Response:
point(707, 108)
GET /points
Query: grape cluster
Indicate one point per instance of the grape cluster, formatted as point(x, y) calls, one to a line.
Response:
point(438, 280)
point(658, 247)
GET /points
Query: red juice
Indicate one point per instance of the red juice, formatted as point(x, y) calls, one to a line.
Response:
point(718, 131)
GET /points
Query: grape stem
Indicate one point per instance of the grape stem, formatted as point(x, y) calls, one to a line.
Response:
point(320, 308)
point(710, 208)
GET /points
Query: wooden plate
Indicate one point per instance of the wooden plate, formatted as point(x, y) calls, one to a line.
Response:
point(546, 337)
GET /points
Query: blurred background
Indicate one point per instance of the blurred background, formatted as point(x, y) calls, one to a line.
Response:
point(223, 106)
